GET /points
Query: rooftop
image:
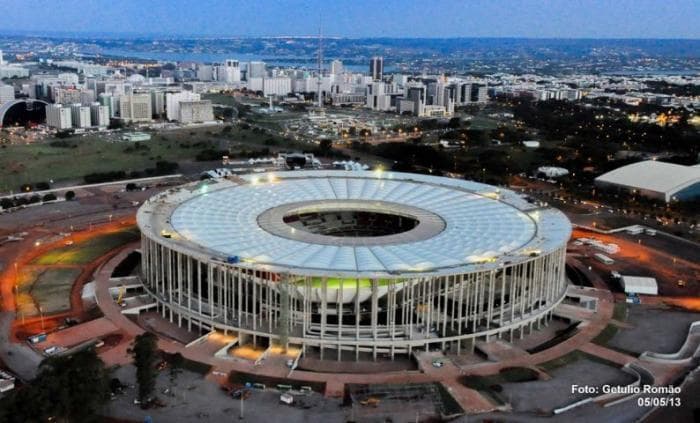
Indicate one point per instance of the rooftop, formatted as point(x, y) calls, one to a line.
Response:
point(281, 221)
point(652, 175)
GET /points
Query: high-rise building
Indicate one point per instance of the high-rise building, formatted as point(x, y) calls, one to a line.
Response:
point(65, 95)
point(58, 117)
point(378, 96)
point(135, 107)
point(376, 68)
point(336, 67)
point(87, 97)
point(230, 72)
point(280, 86)
point(255, 84)
point(479, 94)
point(99, 114)
point(173, 100)
point(158, 102)
point(80, 115)
point(111, 102)
point(414, 100)
point(256, 70)
point(195, 111)
point(205, 72)
point(7, 93)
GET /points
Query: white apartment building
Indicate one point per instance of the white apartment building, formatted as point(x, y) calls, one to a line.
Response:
point(99, 115)
point(195, 111)
point(280, 86)
point(7, 93)
point(135, 108)
point(80, 115)
point(173, 100)
point(58, 117)
point(256, 70)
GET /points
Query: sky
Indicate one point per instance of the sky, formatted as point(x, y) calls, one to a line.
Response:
point(360, 18)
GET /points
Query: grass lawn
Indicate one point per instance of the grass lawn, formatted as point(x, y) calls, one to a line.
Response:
point(483, 122)
point(46, 288)
point(41, 162)
point(571, 358)
point(52, 287)
point(349, 283)
point(605, 335)
point(620, 312)
point(506, 375)
point(38, 162)
point(89, 250)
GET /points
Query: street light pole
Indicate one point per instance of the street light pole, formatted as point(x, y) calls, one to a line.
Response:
point(240, 417)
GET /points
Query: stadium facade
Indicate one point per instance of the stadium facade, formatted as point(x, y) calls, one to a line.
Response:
point(367, 263)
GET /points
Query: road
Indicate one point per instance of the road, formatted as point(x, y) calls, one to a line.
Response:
point(17, 356)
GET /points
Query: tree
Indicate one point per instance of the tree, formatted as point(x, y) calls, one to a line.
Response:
point(325, 146)
point(70, 195)
point(68, 388)
point(145, 354)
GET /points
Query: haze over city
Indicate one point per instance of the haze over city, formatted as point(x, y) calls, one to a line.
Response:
point(363, 18)
point(349, 211)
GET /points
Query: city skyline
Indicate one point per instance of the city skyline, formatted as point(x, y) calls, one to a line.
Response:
point(648, 19)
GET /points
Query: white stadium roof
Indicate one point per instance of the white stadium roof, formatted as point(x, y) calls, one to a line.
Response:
point(663, 178)
point(464, 225)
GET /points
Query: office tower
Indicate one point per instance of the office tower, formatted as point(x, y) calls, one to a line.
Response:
point(63, 95)
point(336, 67)
point(80, 115)
point(87, 97)
point(158, 102)
point(280, 86)
point(376, 68)
point(99, 114)
point(135, 107)
point(111, 102)
point(416, 95)
point(205, 73)
point(195, 111)
point(256, 70)
point(7, 93)
point(479, 94)
point(173, 100)
point(378, 96)
point(58, 117)
point(230, 72)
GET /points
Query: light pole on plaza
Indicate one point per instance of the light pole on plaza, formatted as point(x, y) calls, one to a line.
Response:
point(41, 314)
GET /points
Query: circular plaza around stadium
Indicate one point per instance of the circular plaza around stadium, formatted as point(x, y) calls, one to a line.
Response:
point(363, 263)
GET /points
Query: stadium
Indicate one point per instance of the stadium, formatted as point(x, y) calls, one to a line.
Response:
point(353, 263)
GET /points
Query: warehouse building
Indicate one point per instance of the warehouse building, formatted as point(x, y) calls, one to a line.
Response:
point(656, 180)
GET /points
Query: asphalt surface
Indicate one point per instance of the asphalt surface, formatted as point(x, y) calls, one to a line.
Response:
point(17, 356)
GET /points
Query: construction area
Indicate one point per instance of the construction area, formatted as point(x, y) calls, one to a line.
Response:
point(415, 401)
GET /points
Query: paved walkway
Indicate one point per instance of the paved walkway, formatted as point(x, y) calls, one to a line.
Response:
point(607, 354)
point(448, 375)
point(17, 355)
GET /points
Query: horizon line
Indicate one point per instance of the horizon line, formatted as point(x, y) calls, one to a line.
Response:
point(110, 34)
